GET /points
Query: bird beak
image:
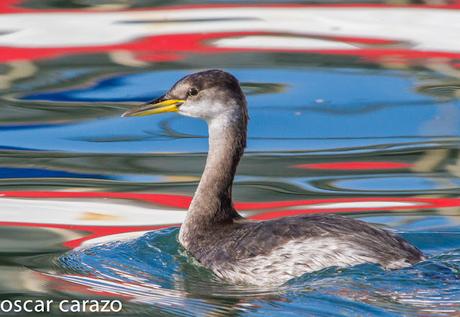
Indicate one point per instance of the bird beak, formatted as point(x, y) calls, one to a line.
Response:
point(156, 106)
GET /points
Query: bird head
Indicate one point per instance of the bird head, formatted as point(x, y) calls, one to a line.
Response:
point(206, 95)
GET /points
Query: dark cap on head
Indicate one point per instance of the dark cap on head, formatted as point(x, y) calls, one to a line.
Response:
point(214, 78)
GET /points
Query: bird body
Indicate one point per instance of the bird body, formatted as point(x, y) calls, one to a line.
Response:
point(260, 252)
point(275, 251)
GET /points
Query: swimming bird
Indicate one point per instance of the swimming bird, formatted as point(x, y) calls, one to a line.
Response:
point(268, 252)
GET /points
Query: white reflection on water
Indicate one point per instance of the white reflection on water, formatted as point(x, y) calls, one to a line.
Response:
point(414, 28)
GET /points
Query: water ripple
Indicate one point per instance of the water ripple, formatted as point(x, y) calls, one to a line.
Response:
point(154, 270)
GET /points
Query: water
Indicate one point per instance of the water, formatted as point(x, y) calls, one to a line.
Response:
point(153, 269)
point(353, 110)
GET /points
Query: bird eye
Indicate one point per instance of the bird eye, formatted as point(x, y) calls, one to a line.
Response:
point(192, 92)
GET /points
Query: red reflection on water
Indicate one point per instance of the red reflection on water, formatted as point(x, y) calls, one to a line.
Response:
point(173, 47)
point(89, 232)
point(257, 210)
point(354, 166)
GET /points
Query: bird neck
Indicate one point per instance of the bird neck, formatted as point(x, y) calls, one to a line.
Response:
point(212, 202)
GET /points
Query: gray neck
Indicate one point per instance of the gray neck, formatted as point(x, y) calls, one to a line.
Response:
point(212, 202)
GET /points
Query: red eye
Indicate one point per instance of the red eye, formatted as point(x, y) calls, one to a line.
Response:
point(192, 92)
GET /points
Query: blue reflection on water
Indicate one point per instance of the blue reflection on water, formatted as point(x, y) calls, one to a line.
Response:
point(350, 87)
point(401, 183)
point(8, 172)
point(368, 107)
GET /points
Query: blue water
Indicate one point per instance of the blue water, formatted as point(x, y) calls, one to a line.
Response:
point(358, 112)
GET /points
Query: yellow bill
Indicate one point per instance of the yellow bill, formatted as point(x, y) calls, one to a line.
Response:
point(157, 106)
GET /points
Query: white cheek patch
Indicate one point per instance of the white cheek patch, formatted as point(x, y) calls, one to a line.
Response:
point(201, 109)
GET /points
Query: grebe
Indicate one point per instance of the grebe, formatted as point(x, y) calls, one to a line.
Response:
point(268, 252)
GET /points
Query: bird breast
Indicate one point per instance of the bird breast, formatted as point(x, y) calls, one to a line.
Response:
point(295, 258)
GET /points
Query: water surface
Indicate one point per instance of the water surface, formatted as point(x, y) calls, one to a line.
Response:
point(353, 110)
